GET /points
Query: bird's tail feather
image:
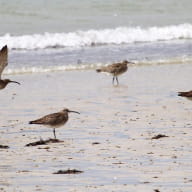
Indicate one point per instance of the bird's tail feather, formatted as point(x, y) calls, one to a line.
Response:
point(35, 122)
point(185, 94)
point(181, 93)
point(98, 70)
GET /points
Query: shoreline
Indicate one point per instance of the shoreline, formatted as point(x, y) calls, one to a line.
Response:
point(122, 120)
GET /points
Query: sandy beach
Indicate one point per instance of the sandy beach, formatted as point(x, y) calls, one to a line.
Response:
point(110, 141)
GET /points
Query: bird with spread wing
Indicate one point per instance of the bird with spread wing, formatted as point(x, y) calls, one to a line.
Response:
point(3, 64)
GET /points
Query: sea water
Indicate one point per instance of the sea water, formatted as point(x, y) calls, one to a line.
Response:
point(47, 35)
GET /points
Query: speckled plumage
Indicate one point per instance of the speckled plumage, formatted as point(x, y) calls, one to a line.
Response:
point(54, 120)
point(115, 69)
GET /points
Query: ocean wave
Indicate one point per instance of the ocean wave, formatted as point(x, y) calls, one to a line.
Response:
point(120, 35)
point(93, 66)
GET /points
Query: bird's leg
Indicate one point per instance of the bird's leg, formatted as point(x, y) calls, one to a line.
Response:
point(54, 133)
point(117, 80)
point(113, 79)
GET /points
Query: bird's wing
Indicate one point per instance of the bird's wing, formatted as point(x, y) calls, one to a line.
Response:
point(3, 58)
point(47, 120)
point(110, 68)
point(115, 67)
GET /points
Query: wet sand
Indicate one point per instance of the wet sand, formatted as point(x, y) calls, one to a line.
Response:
point(110, 141)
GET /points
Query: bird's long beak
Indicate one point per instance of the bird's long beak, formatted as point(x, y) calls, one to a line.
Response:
point(14, 82)
point(73, 112)
point(131, 63)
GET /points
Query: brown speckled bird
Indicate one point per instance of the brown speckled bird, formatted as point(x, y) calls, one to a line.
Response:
point(115, 69)
point(54, 120)
point(3, 64)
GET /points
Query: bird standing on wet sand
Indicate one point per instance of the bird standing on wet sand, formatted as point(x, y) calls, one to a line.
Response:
point(3, 64)
point(187, 94)
point(54, 120)
point(115, 69)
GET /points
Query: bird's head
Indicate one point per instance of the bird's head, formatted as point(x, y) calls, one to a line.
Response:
point(69, 111)
point(127, 62)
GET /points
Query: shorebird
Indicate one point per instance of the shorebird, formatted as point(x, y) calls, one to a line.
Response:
point(3, 64)
point(187, 94)
point(54, 120)
point(115, 69)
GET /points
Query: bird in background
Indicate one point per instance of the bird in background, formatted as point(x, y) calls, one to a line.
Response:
point(115, 69)
point(54, 120)
point(3, 64)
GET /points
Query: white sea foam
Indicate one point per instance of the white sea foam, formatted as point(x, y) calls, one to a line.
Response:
point(83, 67)
point(118, 35)
point(24, 70)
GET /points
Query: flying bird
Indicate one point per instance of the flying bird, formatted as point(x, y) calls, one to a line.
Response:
point(3, 64)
